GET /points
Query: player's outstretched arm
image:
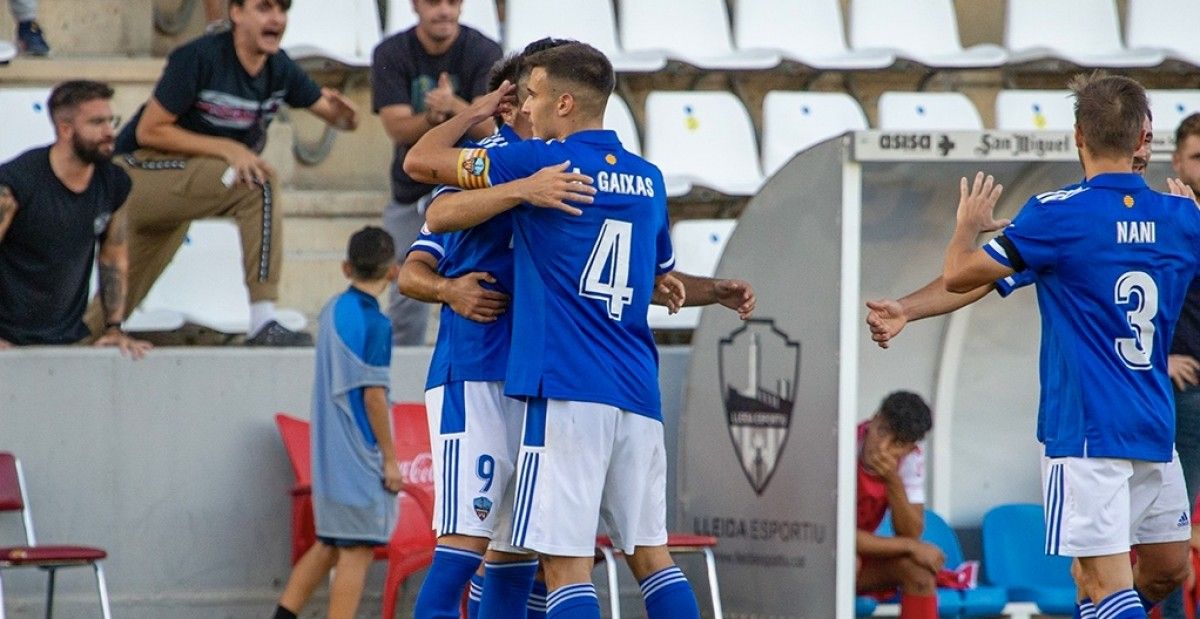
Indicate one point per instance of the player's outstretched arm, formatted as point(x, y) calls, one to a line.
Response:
point(551, 187)
point(420, 280)
point(434, 159)
point(887, 317)
point(966, 266)
point(737, 295)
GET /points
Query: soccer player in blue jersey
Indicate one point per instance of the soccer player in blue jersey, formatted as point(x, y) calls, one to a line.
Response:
point(583, 355)
point(474, 429)
point(1111, 282)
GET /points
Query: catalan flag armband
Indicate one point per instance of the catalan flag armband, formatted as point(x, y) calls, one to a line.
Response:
point(473, 166)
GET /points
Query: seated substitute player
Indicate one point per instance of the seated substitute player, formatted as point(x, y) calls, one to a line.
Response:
point(891, 476)
point(582, 353)
point(1111, 282)
point(355, 473)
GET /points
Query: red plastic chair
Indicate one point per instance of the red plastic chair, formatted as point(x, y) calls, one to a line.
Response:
point(676, 544)
point(32, 554)
point(412, 544)
point(295, 435)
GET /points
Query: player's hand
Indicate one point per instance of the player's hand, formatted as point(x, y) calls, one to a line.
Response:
point(1180, 188)
point(248, 167)
point(977, 203)
point(737, 295)
point(553, 186)
point(469, 299)
point(669, 292)
point(883, 461)
point(128, 346)
point(886, 320)
point(1184, 371)
point(927, 556)
point(393, 481)
point(489, 105)
point(343, 108)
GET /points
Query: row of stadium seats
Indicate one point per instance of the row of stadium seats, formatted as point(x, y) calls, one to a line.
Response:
point(765, 33)
point(1020, 579)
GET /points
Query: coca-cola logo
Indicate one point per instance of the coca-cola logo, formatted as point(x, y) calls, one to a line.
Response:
point(419, 470)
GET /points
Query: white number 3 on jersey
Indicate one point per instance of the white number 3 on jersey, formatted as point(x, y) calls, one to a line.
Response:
point(1137, 287)
point(610, 256)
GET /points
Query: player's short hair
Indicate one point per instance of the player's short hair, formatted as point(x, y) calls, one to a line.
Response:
point(286, 5)
point(906, 415)
point(370, 252)
point(506, 68)
point(66, 97)
point(580, 65)
point(1109, 111)
point(1186, 129)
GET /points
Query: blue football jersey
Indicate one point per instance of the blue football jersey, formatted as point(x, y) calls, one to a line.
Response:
point(583, 284)
point(1113, 260)
point(466, 349)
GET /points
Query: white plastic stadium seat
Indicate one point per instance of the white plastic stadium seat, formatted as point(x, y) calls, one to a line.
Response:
point(933, 111)
point(922, 31)
point(1035, 110)
point(1084, 33)
point(698, 245)
point(592, 22)
point(205, 282)
point(7, 52)
point(809, 32)
point(794, 121)
point(1165, 25)
point(345, 32)
point(1168, 108)
point(618, 118)
point(478, 14)
point(703, 138)
point(26, 121)
point(695, 32)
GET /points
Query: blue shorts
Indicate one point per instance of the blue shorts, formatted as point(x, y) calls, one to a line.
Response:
point(337, 542)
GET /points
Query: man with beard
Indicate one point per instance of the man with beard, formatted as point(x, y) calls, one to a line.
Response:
point(194, 151)
point(420, 78)
point(56, 202)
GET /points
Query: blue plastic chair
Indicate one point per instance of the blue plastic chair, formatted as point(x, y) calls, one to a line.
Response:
point(982, 601)
point(864, 606)
point(1014, 557)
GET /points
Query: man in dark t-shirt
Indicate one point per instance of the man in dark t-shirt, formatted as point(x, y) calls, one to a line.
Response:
point(56, 203)
point(194, 151)
point(420, 78)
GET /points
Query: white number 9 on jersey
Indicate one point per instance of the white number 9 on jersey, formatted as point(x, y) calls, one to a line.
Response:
point(1137, 287)
point(610, 255)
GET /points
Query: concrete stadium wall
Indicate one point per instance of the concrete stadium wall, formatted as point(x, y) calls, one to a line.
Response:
point(174, 466)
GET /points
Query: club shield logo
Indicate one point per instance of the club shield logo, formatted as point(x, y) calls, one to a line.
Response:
point(759, 368)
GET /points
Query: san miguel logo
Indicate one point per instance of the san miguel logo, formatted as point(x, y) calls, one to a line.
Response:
point(758, 396)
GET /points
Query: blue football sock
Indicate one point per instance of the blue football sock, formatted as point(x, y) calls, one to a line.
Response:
point(1085, 609)
point(668, 595)
point(474, 594)
point(536, 606)
point(506, 589)
point(442, 591)
point(1123, 604)
point(573, 602)
point(1146, 603)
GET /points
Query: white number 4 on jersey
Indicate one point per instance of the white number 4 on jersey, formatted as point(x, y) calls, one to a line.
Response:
point(610, 255)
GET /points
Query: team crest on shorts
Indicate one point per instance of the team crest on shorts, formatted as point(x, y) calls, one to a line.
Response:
point(483, 507)
point(759, 367)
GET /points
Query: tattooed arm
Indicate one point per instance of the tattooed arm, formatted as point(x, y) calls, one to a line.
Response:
point(113, 265)
point(8, 209)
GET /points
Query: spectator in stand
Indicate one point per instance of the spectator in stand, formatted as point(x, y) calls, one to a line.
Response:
point(30, 41)
point(195, 150)
point(420, 78)
point(56, 203)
